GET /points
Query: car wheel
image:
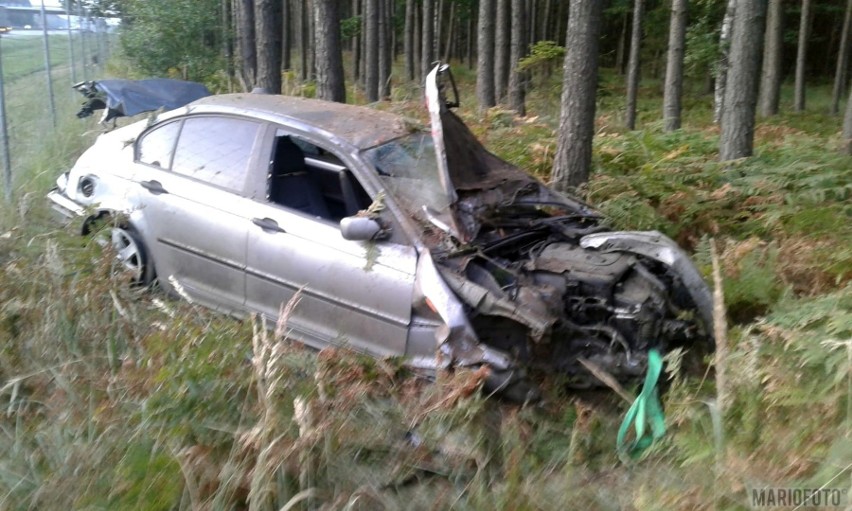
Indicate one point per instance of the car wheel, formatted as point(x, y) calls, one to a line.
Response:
point(132, 255)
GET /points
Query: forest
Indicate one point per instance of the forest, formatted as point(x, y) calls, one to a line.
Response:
point(726, 125)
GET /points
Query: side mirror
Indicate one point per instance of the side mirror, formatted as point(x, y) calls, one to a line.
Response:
point(361, 228)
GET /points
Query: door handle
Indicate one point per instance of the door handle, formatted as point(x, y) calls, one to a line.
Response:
point(154, 187)
point(267, 224)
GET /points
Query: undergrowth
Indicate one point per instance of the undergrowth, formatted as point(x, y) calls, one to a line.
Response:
point(115, 397)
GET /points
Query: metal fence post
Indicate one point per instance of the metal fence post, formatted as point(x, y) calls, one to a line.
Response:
point(47, 65)
point(71, 44)
point(4, 133)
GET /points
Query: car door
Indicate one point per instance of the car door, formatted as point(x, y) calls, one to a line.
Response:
point(190, 194)
point(356, 294)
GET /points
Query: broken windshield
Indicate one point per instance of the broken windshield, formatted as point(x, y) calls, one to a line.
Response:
point(409, 170)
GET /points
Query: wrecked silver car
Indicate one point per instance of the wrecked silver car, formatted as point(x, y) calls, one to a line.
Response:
point(402, 242)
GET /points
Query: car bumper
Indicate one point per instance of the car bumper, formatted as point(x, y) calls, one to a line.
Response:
point(65, 208)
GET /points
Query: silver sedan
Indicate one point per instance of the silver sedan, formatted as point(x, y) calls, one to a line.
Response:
point(406, 243)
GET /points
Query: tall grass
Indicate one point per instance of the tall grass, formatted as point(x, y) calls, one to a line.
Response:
point(113, 397)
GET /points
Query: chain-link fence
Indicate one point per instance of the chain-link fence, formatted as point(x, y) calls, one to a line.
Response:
point(43, 52)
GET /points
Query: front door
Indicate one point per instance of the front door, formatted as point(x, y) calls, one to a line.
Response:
point(356, 294)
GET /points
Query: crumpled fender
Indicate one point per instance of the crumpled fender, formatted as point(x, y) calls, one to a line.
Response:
point(458, 339)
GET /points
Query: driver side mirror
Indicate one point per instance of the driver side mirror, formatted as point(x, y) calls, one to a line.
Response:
point(361, 228)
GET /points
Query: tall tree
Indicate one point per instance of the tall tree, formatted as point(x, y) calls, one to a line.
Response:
point(847, 125)
point(518, 50)
point(246, 47)
point(408, 39)
point(371, 49)
point(722, 63)
point(674, 66)
point(770, 82)
point(801, 56)
point(579, 88)
point(485, 57)
point(842, 60)
point(502, 41)
point(269, 32)
point(737, 137)
point(330, 84)
point(633, 64)
point(287, 39)
point(385, 47)
point(304, 40)
point(427, 41)
point(356, 42)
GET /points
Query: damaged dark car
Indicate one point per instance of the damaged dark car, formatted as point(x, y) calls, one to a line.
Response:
point(400, 242)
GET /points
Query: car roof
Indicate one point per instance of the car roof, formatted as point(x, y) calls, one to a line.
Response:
point(358, 126)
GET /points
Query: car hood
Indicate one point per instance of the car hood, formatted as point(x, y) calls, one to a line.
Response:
point(473, 179)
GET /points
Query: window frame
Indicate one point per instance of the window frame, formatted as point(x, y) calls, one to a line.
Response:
point(254, 160)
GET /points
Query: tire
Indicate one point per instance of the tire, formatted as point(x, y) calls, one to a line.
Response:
point(132, 254)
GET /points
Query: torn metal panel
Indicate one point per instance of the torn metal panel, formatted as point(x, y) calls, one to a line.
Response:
point(130, 97)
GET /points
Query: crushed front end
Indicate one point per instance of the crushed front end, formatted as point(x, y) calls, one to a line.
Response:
point(544, 279)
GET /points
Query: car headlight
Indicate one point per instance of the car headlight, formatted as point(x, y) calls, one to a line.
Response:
point(62, 181)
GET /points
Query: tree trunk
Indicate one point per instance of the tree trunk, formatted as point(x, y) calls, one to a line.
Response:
point(622, 45)
point(517, 50)
point(408, 40)
point(312, 63)
point(427, 45)
point(842, 60)
point(418, 43)
point(801, 57)
point(330, 86)
point(470, 41)
point(579, 88)
point(385, 49)
point(356, 43)
point(770, 83)
point(269, 32)
point(450, 33)
point(485, 56)
point(371, 50)
point(439, 27)
point(737, 137)
point(633, 64)
point(674, 66)
point(304, 30)
point(502, 40)
point(287, 36)
point(847, 125)
point(246, 43)
point(722, 64)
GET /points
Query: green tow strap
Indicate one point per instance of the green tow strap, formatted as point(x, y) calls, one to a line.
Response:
point(646, 410)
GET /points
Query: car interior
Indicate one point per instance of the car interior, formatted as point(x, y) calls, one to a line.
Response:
point(308, 179)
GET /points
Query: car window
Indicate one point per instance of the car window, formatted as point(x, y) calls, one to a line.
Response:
point(156, 147)
point(216, 150)
point(307, 178)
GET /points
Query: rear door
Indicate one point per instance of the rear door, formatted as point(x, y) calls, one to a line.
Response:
point(192, 199)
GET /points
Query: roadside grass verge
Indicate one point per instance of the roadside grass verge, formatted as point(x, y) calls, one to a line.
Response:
point(116, 397)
